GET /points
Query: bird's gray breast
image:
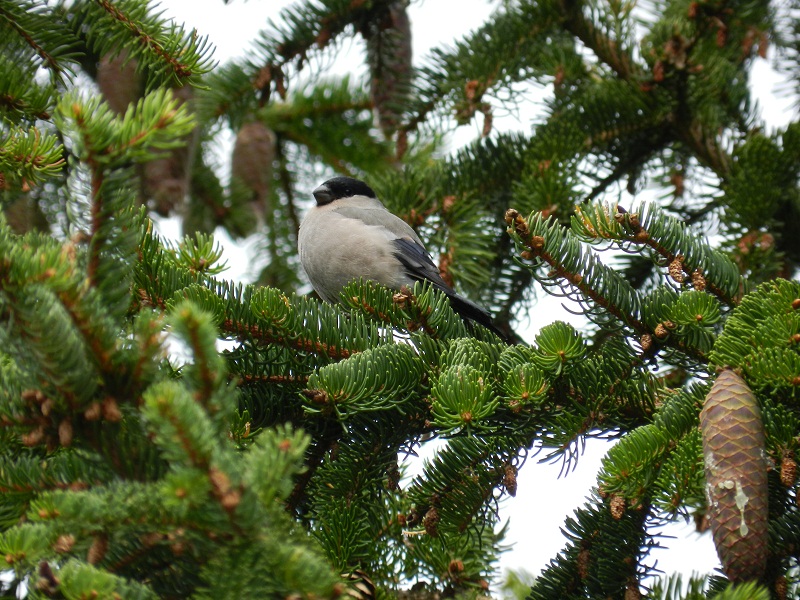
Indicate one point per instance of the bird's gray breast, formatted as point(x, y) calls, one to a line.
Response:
point(338, 246)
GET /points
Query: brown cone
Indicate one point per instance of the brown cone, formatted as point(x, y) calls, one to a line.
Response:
point(118, 81)
point(389, 57)
point(736, 476)
point(166, 179)
point(253, 155)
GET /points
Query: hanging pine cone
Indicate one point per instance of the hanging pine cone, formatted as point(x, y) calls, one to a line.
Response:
point(736, 476)
point(253, 155)
point(118, 81)
point(166, 179)
point(389, 57)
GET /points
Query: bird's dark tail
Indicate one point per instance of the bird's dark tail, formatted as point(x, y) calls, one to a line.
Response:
point(419, 266)
point(472, 313)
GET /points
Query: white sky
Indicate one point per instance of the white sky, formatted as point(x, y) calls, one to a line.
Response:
point(543, 500)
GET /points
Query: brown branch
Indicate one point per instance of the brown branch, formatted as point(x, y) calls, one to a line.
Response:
point(315, 458)
point(605, 48)
point(244, 379)
point(254, 332)
point(51, 62)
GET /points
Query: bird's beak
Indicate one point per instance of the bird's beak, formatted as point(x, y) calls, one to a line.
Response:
point(322, 195)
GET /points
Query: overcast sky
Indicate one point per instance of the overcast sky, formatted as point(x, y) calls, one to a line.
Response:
point(543, 500)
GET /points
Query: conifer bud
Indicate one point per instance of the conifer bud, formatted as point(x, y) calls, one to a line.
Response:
point(65, 433)
point(788, 471)
point(647, 342)
point(698, 280)
point(510, 480)
point(34, 437)
point(736, 476)
point(431, 522)
point(488, 120)
point(111, 411)
point(64, 543)
point(93, 412)
point(617, 506)
point(676, 270)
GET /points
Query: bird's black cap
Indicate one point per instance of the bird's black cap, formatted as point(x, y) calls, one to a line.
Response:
point(341, 187)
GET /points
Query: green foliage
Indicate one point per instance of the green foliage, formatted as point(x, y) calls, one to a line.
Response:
point(673, 588)
point(29, 156)
point(166, 53)
point(517, 583)
point(375, 379)
point(760, 337)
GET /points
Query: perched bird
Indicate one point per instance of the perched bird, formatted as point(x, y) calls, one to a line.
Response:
point(350, 234)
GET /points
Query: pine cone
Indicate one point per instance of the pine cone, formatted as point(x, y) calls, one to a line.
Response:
point(736, 476)
point(118, 81)
point(253, 155)
point(389, 57)
point(166, 179)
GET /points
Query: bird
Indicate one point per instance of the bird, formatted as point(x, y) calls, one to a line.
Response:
point(350, 234)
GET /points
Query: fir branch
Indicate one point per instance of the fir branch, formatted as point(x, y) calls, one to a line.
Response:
point(603, 555)
point(707, 146)
point(457, 485)
point(20, 94)
point(536, 249)
point(690, 258)
point(32, 23)
point(642, 236)
point(246, 379)
point(519, 42)
point(61, 471)
point(302, 29)
point(245, 333)
point(208, 369)
point(594, 281)
point(172, 55)
point(314, 459)
point(260, 315)
point(181, 69)
point(27, 157)
point(313, 117)
point(608, 50)
point(626, 165)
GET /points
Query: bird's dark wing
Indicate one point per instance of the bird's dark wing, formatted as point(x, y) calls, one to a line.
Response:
point(418, 263)
point(419, 266)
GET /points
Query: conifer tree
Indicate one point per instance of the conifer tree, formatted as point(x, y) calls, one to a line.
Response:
point(267, 466)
